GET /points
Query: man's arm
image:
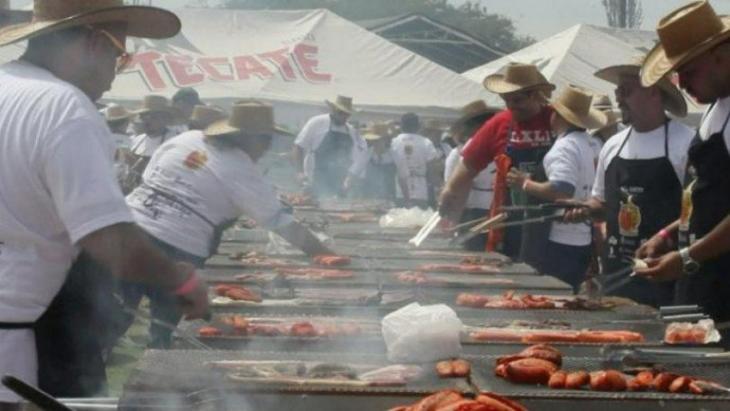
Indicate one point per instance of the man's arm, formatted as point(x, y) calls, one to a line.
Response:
point(456, 191)
point(299, 236)
point(128, 253)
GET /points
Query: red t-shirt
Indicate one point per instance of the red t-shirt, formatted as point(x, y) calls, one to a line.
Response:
point(491, 139)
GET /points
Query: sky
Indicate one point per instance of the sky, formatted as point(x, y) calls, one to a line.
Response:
point(536, 18)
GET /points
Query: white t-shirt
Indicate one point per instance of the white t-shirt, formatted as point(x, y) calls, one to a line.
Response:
point(411, 154)
point(221, 183)
point(571, 160)
point(482, 190)
point(596, 144)
point(57, 186)
point(715, 119)
point(312, 135)
point(642, 146)
point(145, 146)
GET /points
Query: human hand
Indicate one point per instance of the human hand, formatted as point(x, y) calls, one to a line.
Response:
point(193, 300)
point(516, 178)
point(576, 212)
point(666, 268)
point(653, 248)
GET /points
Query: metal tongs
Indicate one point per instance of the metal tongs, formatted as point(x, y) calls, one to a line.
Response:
point(622, 358)
point(426, 230)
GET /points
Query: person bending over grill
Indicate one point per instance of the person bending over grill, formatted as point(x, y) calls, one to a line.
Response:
point(196, 186)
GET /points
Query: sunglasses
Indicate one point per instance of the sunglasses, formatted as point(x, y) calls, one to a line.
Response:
point(125, 58)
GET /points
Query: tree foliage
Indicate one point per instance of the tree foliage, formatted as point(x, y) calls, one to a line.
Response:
point(495, 30)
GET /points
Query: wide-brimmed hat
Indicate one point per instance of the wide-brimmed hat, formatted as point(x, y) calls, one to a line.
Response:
point(157, 104)
point(115, 112)
point(474, 110)
point(574, 105)
point(54, 15)
point(203, 116)
point(602, 102)
point(247, 118)
point(612, 118)
point(674, 101)
point(375, 131)
point(517, 77)
point(342, 103)
point(684, 34)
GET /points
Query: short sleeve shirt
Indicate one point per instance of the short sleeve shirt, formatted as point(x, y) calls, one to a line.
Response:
point(411, 155)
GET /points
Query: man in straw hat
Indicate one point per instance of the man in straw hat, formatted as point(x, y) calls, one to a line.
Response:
point(522, 131)
point(59, 194)
point(329, 153)
point(695, 42)
point(196, 186)
point(380, 172)
point(416, 161)
point(570, 171)
point(473, 116)
point(118, 118)
point(640, 174)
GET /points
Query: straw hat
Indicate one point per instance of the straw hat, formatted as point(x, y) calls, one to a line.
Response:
point(602, 102)
point(673, 99)
point(203, 116)
point(342, 103)
point(471, 111)
point(684, 34)
point(574, 105)
point(54, 15)
point(248, 118)
point(612, 118)
point(116, 113)
point(517, 77)
point(376, 131)
point(157, 104)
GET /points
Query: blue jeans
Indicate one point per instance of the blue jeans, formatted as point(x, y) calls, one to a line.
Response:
point(163, 304)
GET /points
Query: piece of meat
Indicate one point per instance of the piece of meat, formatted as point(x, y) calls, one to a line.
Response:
point(209, 331)
point(471, 300)
point(499, 403)
point(538, 302)
point(663, 381)
point(557, 380)
point(444, 369)
point(506, 304)
point(303, 329)
point(461, 368)
point(240, 323)
point(543, 352)
point(459, 268)
point(551, 337)
point(436, 401)
point(332, 260)
point(576, 380)
point(392, 375)
point(613, 336)
point(694, 388)
point(691, 335)
point(609, 380)
point(243, 294)
point(680, 384)
point(530, 371)
point(496, 334)
point(641, 382)
point(315, 273)
point(266, 330)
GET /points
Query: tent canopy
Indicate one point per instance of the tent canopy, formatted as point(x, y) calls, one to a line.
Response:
point(572, 56)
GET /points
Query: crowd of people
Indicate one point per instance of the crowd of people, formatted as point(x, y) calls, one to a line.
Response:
point(99, 210)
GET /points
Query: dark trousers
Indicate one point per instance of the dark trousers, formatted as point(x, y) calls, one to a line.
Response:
point(567, 263)
point(163, 304)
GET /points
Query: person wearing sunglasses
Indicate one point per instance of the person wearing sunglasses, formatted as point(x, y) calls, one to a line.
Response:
point(61, 209)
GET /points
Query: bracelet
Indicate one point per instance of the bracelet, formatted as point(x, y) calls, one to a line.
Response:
point(188, 286)
point(524, 184)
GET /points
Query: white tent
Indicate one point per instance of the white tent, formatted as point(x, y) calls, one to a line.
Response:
point(294, 59)
point(572, 56)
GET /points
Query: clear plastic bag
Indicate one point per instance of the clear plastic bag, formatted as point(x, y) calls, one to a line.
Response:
point(701, 332)
point(417, 333)
point(405, 218)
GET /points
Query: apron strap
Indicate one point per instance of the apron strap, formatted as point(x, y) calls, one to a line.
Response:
point(623, 144)
point(666, 139)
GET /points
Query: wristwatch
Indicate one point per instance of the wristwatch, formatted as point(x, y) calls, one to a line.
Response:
point(689, 265)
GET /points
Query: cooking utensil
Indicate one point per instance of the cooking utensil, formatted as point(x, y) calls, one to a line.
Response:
point(619, 278)
point(539, 207)
point(190, 339)
point(426, 230)
point(478, 229)
point(620, 358)
point(679, 309)
point(34, 395)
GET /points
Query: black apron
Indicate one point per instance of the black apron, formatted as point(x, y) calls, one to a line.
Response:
point(710, 204)
point(332, 160)
point(74, 331)
point(527, 243)
point(642, 197)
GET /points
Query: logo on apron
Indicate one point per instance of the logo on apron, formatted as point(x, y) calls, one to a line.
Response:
point(196, 160)
point(687, 208)
point(629, 218)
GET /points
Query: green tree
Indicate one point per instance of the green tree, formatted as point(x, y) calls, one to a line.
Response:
point(495, 30)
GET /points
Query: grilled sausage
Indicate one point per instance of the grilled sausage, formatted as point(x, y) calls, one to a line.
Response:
point(680, 384)
point(498, 403)
point(576, 380)
point(530, 371)
point(557, 380)
point(663, 380)
point(461, 368)
point(444, 369)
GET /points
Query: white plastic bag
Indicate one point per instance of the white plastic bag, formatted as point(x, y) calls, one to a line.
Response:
point(405, 218)
point(417, 333)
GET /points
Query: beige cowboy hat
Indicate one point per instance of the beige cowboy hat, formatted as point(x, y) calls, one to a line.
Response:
point(574, 105)
point(376, 131)
point(602, 102)
point(250, 118)
point(203, 116)
point(674, 101)
point(517, 77)
point(342, 103)
point(54, 15)
point(684, 34)
point(115, 112)
point(471, 111)
point(157, 104)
